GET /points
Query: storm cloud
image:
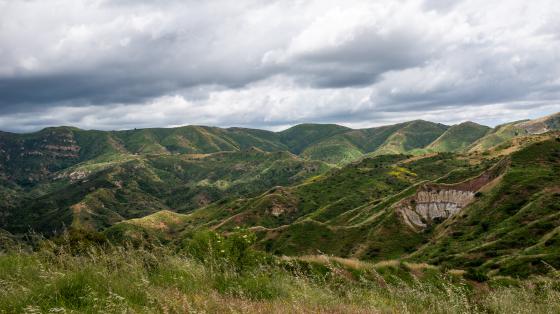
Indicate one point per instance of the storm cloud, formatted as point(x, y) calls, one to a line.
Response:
point(114, 64)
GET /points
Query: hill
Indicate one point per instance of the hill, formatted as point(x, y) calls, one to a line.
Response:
point(458, 137)
point(505, 132)
point(414, 135)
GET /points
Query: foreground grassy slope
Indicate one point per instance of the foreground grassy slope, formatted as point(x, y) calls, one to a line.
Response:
point(205, 272)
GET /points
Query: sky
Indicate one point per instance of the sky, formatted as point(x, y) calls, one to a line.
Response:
point(121, 64)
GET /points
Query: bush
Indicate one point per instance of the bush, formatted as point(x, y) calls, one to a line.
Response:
point(77, 241)
point(234, 250)
point(476, 275)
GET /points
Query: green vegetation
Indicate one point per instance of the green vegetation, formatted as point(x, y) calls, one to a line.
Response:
point(416, 134)
point(205, 272)
point(505, 132)
point(97, 195)
point(510, 229)
point(412, 217)
point(459, 137)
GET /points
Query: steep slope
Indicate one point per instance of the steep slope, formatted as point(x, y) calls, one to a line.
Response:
point(30, 158)
point(458, 137)
point(499, 218)
point(392, 139)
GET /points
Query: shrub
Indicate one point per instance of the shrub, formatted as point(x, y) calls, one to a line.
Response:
point(78, 241)
point(476, 275)
point(234, 250)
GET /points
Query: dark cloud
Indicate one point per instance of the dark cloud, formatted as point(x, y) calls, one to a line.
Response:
point(121, 63)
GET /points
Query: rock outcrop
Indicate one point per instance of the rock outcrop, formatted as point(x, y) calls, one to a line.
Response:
point(433, 203)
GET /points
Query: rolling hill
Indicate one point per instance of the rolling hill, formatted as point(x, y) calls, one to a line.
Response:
point(462, 195)
point(458, 137)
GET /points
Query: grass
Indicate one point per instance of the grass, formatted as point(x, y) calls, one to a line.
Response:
point(213, 274)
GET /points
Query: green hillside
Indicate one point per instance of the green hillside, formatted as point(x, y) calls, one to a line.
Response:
point(350, 193)
point(458, 137)
point(98, 194)
point(343, 208)
point(414, 135)
point(512, 229)
point(393, 139)
point(507, 131)
point(356, 212)
point(299, 137)
point(349, 146)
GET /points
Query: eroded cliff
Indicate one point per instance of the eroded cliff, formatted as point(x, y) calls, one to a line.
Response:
point(434, 203)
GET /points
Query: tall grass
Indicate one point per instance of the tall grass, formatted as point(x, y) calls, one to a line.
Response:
point(208, 273)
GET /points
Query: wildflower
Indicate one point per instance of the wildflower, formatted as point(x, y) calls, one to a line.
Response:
point(32, 309)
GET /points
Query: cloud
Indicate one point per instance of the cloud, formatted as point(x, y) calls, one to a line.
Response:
point(112, 64)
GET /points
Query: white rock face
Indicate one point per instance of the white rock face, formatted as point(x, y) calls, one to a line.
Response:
point(429, 205)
